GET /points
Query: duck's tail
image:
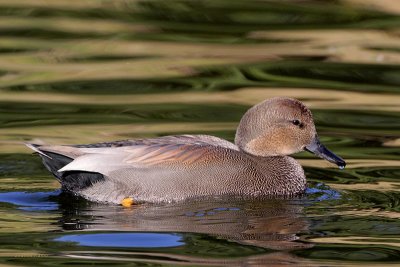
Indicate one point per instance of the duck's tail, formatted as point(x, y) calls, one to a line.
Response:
point(56, 157)
point(52, 161)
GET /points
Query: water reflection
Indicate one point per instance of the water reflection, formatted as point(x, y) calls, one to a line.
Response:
point(30, 201)
point(250, 231)
point(122, 240)
point(271, 224)
point(196, 232)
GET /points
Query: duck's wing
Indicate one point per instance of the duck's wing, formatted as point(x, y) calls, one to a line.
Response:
point(165, 152)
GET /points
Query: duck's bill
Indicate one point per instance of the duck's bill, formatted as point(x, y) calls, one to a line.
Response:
point(321, 151)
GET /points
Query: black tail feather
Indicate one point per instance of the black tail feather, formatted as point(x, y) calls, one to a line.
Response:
point(70, 180)
point(54, 162)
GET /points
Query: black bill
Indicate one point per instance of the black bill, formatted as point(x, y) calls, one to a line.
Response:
point(321, 151)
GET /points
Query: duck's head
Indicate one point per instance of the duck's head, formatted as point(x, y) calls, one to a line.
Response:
point(281, 126)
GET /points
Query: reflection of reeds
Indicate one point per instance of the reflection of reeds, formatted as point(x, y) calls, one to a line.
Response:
point(389, 6)
point(379, 186)
point(360, 240)
point(352, 163)
point(54, 35)
point(314, 98)
point(13, 221)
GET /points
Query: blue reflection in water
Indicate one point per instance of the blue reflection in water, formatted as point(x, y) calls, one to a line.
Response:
point(131, 240)
point(31, 201)
point(321, 192)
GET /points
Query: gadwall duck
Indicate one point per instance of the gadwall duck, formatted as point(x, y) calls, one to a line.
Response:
point(173, 168)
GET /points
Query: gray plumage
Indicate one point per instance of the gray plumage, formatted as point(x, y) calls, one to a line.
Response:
point(174, 168)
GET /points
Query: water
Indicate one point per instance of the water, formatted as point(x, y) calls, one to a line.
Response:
point(91, 71)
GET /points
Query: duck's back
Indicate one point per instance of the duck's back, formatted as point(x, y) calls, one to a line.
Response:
point(175, 168)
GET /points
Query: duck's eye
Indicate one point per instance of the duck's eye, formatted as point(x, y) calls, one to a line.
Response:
point(296, 122)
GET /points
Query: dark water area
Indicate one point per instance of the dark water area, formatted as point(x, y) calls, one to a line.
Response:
point(91, 71)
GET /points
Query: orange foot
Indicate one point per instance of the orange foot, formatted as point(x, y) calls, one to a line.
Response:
point(127, 202)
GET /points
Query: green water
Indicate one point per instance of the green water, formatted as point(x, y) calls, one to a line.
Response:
point(90, 71)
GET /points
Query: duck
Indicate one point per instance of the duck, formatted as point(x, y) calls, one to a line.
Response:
point(181, 167)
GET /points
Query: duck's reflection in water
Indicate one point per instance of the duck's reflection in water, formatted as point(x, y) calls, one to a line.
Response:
point(267, 223)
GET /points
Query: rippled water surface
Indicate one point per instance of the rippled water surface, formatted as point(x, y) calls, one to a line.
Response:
point(90, 71)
